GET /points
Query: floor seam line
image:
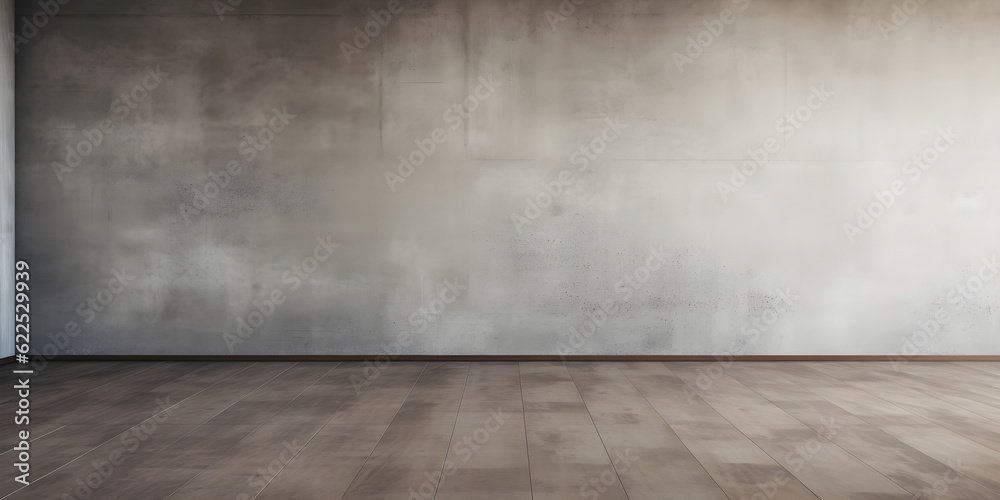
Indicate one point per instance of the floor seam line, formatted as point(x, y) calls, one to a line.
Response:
point(730, 422)
point(643, 396)
point(829, 440)
point(454, 429)
point(268, 381)
point(524, 419)
point(599, 436)
point(116, 435)
point(363, 464)
point(859, 417)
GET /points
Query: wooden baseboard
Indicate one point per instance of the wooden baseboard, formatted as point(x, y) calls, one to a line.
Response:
point(8, 359)
point(534, 357)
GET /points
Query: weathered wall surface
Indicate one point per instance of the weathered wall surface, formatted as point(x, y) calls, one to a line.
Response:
point(197, 183)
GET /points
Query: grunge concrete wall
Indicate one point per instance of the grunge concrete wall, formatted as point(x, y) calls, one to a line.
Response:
point(510, 177)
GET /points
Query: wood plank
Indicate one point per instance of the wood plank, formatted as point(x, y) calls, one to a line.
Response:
point(638, 440)
point(965, 387)
point(740, 467)
point(979, 463)
point(806, 453)
point(565, 451)
point(171, 469)
point(488, 457)
point(409, 457)
point(696, 430)
point(918, 402)
point(72, 440)
point(246, 468)
point(146, 438)
point(918, 473)
point(986, 366)
point(328, 463)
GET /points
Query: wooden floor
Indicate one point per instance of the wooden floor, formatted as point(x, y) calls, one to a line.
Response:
point(542, 430)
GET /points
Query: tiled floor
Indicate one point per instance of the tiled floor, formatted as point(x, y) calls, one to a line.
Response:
point(278, 430)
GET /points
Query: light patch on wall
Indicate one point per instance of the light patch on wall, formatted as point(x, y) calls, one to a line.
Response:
point(973, 203)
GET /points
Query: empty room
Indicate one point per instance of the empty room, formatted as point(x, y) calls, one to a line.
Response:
point(500, 249)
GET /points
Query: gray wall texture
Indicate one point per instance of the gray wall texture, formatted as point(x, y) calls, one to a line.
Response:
point(510, 177)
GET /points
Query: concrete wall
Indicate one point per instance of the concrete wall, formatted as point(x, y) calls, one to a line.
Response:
point(585, 196)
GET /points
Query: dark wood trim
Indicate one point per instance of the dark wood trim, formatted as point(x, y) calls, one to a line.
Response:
point(8, 359)
point(530, 357)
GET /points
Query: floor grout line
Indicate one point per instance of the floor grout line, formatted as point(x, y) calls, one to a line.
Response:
point(255, 429)
point(746, 395)
point(415, 382)
point(524, 420)
point(694, 391)
point(118, 377)
point(118, 434)
point(454, 428)
point(688, 448)
point(976, 365)
point(829, 440)
point(598, 431)
point(357, 395)
point(863, 419)
point(934, 392)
